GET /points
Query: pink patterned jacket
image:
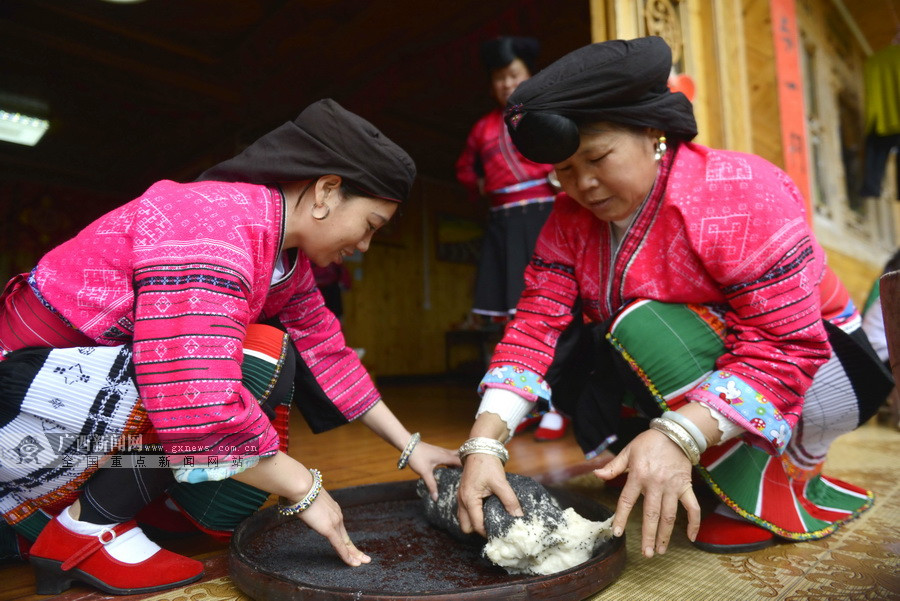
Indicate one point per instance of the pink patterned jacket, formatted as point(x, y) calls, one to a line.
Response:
point(489, 153)
point(180, 272)
point(719, 228)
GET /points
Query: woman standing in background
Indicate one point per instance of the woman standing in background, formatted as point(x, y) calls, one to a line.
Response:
point(520, 193)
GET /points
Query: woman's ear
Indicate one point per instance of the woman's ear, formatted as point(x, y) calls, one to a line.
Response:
point(328, 188)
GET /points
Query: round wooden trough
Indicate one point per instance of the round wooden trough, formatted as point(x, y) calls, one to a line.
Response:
point(274, 558)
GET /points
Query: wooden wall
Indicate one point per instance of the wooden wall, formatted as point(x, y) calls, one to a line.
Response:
point(858, 269)
point(858, 276)
point(759, 52)
point(403, 297)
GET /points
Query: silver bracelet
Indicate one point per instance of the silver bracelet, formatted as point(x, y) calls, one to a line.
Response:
point(677, 434)
point(688, 425)
point(487, 446)
point(404, 456)
point(304, 503)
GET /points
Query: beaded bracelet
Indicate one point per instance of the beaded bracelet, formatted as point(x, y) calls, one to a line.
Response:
point(688, 425)
point(404, 456)
point(679, 435)
point(488, 446)
point(304, 503)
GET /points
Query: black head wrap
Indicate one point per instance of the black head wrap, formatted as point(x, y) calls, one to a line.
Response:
point(325, 139)
point(500, 52)
point(620, 81)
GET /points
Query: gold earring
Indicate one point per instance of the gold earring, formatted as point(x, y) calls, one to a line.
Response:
point(660, 148)
point(322, 216)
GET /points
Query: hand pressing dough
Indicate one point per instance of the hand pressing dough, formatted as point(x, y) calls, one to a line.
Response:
point(546, 540)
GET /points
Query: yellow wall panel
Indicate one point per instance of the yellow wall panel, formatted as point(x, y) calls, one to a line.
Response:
point(403, 299)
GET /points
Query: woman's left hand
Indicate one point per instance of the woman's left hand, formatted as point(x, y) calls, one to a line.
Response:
point(658, 469)
point(425, 457)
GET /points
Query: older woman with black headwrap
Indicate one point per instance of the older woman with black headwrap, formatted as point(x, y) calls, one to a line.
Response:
point(148, 326)
point(710, 312)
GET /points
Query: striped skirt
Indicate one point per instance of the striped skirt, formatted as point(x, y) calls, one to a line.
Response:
point(66, 412)
point(505, 251)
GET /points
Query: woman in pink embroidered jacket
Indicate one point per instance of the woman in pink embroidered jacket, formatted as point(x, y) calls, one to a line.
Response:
point(519, 191)
point(181, 275)
point(710, 312)
point(520, 194)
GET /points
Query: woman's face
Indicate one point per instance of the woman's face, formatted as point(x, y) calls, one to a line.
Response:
point(612, 172)
point(504, 81)
point(349, 226)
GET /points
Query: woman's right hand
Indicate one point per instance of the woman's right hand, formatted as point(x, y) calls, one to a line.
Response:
point(282, 475)
point(483, 476)
point(325, 517)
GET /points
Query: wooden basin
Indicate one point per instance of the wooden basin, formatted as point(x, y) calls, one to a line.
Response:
point(274, 558)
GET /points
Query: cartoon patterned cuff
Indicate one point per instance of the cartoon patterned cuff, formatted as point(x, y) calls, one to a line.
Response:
point(193, 475)
point(523, 382)
point(738, 401)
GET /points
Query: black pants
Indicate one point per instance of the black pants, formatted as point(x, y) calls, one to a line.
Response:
point(590, 384)
point(878, 150)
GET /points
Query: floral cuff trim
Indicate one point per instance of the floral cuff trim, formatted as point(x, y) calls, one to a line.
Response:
point(194, 474)
point(738, 401)
point(523, 382)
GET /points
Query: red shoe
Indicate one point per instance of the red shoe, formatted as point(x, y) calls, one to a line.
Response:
point(553, 426)
point(60, 556)
point(161, 519)
point(723, 534)
point(529, 421)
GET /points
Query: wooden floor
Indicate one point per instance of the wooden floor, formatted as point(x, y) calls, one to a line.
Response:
point(352, 455)
point(443, 412)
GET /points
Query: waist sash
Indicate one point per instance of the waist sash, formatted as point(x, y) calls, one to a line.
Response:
point(26, 322)
point(522, 193)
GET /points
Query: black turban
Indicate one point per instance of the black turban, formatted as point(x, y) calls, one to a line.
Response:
point(620, 81)
point(325, 139)
point(500, 52)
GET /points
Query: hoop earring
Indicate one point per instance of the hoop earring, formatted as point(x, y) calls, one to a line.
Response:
point(660, 149)
point(317, 217)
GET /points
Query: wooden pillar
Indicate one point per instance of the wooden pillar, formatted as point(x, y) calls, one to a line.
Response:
point(790, 94)
point(601, 11)
point(732, 91)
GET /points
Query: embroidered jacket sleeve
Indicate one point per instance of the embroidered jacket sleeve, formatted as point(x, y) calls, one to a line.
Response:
point(335, 367)
point(491, 156)
point(763, 256)
point(193, 281)
point(522, 358)
point(469, 168)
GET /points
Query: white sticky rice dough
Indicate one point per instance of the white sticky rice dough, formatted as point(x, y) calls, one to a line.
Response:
point(532, 546)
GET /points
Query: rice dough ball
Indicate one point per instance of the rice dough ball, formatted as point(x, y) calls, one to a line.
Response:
point(546, 540)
